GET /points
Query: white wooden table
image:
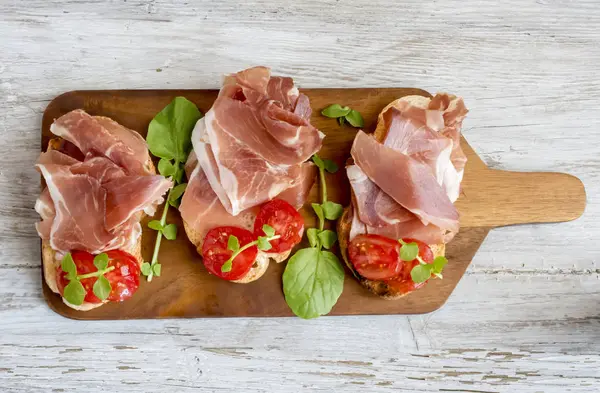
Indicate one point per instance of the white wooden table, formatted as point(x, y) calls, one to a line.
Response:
point(525, 317)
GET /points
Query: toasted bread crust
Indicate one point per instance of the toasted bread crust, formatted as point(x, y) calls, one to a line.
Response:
point(51, 263)
point(379, 288)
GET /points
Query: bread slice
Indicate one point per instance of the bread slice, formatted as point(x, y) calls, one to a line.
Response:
point(51, 262)
point(260, 266)
point(379, 288)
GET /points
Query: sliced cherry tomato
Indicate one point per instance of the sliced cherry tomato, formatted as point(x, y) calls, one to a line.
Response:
point(124, 279)
point(215, 252)
point(286, 221)
point(403, 282)
point(377, 257)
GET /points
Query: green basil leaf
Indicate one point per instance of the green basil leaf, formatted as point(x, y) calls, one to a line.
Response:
point(166, 167)
point(74, 293)
point(268, 230)
point(318, 161)
point(409, 251)
point(233, 244)
point(332, 210)
point(341, 120)
point(227, 266)
point(327, 238)
point(330, 166)
point(177, 192)
point(421, 273)
point(102, 288)
point(101, 261)
point(313, 237)
point(438, 264)
point(355, 119)
point(313, 281)
point(156, 269)
point(169, 133)
point(319, 211)
point(335, 111)
point(68, 266)
point(263, 244)
point(170, 231)
point(155, 224)
point(146, 269)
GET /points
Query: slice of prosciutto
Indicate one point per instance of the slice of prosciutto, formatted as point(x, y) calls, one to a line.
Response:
point(251, 147)
point(101, 136)
point(95, 205)
point(406, 185)
point(253, 140)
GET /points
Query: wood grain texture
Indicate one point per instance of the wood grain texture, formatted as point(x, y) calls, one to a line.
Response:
point(490, 198)
point(524, 318)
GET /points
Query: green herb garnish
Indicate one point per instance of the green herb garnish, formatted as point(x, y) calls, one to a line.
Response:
point(74, 291)
point(343, 114)
point(262, 243)
point(313, 279)
point(169, 137)
point(423, 271)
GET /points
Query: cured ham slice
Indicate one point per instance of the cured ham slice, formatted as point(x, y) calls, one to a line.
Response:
point(303, 181)
point(79, 203)
point(129, 195)
point(202, 210)
point(408, 181)
point(102, 136)
point(405, 186)
point(252, 142)
point(95, 204)
point(250, 148)
point(375, 208)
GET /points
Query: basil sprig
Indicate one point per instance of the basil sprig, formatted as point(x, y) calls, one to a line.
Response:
point(313, 279)
point(74, 291)
point(343, 114)
point(262, 243)
point(169, 137)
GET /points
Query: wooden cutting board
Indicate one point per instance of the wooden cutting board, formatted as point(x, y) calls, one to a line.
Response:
point(490, 198)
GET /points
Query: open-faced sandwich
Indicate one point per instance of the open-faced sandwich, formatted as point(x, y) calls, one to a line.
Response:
point(249, 174)
point(100, 182)
point(405, 178)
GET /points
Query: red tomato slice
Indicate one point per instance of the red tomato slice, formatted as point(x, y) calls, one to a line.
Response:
point(215, 252)
point(377, 257)
point(286, 221)
point(124, 278)
point(403, 282)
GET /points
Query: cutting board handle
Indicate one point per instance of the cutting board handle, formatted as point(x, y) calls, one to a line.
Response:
point(501, 198)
